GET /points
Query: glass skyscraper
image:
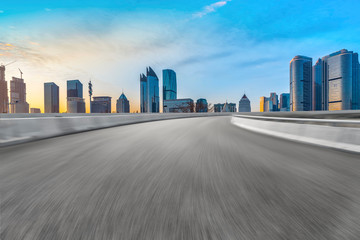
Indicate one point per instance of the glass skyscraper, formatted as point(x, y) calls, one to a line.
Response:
point(149, 92)
point(74, 88)
point(122, 104)
point(244, 104)
point(75, 101)
point(169, 84)
point(317, 85)
point(340, 81)
point(300, 83)
point(285, 102)
point(51, 98)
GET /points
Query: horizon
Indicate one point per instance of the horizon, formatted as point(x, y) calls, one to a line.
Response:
point(218, 49)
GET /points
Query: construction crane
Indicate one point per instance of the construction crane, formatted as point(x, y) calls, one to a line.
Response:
point(10, 63)
point(21, 73)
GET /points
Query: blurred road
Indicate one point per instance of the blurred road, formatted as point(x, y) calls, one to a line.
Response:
point(196, 178)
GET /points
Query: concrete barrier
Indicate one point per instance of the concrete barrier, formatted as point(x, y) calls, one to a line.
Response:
point(344, 138)
point(18, 128)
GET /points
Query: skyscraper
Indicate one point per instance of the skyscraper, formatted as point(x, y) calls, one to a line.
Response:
point(244, 104)
point(4, 99)
point(340, 81)
point(285, 102)
point(274, 102)
point(169, 84)
point(122, 104)
point(51, 98)
point(201, 105)
point(300, 83)
point(149, 92)
point(101, 104)
point(18, 96)
point(317, 85)
point(266, 105)
point(75, 101)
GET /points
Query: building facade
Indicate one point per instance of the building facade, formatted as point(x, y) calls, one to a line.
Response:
point(340, 81)
point(122, 104)
point(35, 110)
point(149, 92)
point(185, 105)
point(285, 102)
point(169, 84)
point(274, 102)
point(317, 75)
point(51, 98)
point(18, 96)
point(244, 104)
point(4, 98)
point(101, 104)
point(75, 100)
point(201, 105)
point(225, 107)
point(300, 83)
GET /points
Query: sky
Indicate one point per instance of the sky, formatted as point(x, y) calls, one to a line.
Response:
point(219, 49)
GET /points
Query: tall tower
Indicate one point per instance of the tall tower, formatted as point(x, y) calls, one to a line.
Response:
point(244, 104)
point(169, 84)
point(75, 101)
point(317, 75)
point(149, 92)
point(18, 96)
point(143, 93)
point(51, 98)
point(300, 83)
point(4, 99)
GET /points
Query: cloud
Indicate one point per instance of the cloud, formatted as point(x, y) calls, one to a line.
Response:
point(1, 11)
point(210, 8)
point(47, 9)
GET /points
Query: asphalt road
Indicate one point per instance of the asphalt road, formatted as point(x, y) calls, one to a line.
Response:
point(197, 178)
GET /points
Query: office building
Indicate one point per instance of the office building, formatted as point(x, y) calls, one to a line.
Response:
point(274, 102)
point(185, 105)
point(149, 92)
point(225, 107)
point(169, 84)
point(244, 104)
point(317, 76)
point(51, 98)
point(4, 98)
point(101, 104)
point(35, 110)
point(122, 104)
point(75, 100)
point(340, 81)
point(201, 105)
point(300, 83)
point(18, 96)
point(285, 102)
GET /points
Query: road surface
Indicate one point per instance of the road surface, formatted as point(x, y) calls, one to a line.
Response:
point(197, 178)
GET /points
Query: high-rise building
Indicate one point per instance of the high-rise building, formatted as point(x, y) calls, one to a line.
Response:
point(317, 86)
point(340, 81)
point(300, 83)
point(201, 105)
point(274, 102)
point(101, 104)
point(149, 92)
point(122, 104)
point(225, 107)
point(185, 105)
point(75, 100)
point(4, 99)
point(51, 98)
point(18, 96)
point(169, 84)
point(266, 105)
point(244, 104)
point(35, 110)
point(285, 102)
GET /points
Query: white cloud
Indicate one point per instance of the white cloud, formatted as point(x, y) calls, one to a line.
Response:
point(1, 11)
point(210, 8)
point(47, 9)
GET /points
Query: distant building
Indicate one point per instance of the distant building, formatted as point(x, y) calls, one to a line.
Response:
point(18, 96)
point(122, 104)
point(274, 102)
point(101, 104)
point(149, 92)
point(300, 83)
point(285, 102)
point(225, 107)
point(35, 110)
point(51, 98)
point(75, 100)
point(185, 105)
point(201, 105)
point(169, 84)
point(341, 81)
point(4, 98)
point(317, 76)
point(244, 104)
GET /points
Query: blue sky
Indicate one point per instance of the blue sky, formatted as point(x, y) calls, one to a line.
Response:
point(219, 49)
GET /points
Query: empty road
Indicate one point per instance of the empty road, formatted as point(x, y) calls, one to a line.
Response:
point(196, 178)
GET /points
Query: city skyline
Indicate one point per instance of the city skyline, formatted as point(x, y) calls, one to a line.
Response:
point(206, 44)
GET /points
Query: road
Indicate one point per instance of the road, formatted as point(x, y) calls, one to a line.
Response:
point(196, 178)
